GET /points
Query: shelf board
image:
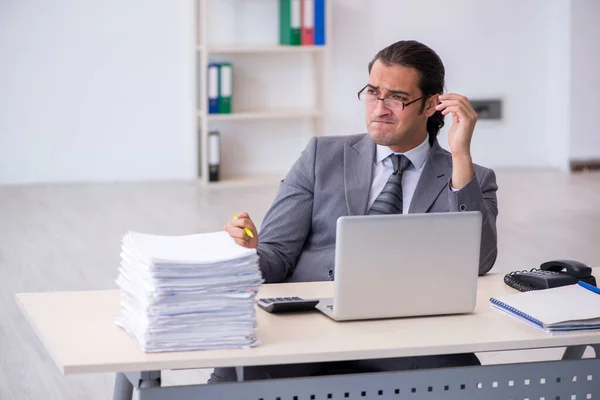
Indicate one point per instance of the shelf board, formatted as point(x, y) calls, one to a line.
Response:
point(248, 181)
point(228, 49)
point(262, 114)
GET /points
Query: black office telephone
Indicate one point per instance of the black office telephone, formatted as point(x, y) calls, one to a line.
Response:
point(550, 274)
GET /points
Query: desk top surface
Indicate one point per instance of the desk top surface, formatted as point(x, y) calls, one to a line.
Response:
point(77, 329)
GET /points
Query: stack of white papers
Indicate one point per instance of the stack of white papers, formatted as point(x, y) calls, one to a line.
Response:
point(191, 292)
point(573, 308)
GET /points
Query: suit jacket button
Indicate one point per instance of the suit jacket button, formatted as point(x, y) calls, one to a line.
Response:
point(462, 207)
point(330, 273)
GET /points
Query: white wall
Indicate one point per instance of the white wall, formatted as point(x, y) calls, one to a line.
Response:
point(554, 101)
point(585, 80)
point(494, 48)
point(96, 90)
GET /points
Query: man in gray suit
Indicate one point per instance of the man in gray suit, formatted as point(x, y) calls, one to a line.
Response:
point(397, 167)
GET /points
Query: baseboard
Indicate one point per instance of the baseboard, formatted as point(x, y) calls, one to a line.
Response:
point(582, 165)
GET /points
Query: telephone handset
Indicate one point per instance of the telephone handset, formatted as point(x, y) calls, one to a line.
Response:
point(551, 274)
point(576, 269)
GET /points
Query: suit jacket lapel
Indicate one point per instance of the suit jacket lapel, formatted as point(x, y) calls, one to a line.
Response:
point(434, 179)
point(358, 173)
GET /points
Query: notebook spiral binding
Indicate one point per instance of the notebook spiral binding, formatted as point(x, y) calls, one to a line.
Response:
point(520, 286)
point(516, 312)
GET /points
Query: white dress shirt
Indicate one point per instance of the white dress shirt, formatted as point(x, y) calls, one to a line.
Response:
point(383, 168)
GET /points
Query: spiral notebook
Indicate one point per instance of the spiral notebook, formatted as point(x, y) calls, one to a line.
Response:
point(564, 309)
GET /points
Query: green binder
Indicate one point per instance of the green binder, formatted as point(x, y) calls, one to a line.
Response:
point(290, 22)
point(225, 87)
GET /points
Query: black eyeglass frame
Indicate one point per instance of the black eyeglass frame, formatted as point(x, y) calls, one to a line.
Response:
point(404, 105)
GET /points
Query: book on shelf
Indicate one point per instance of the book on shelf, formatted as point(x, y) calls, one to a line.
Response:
point(302, 22)
point(225, 87)
point(220, 87)
point(290, 22)
point(308, 23)
point(213, 88)
point(214, 155)
point(319, 28)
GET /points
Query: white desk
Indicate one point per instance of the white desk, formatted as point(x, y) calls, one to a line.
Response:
point(78, 330)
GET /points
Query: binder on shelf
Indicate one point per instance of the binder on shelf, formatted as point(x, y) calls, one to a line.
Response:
point(214, 155)
point(290, 22)
point(308, 22)
point(319, 28)
point(225, 87)
point(213, 88)
point(284, 22)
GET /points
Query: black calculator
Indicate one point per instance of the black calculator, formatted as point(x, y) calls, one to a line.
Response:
point(286, 304)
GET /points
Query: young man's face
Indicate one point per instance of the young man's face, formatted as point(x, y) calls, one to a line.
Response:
point(400, 130)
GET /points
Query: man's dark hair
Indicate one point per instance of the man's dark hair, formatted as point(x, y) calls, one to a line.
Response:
point(410, 53)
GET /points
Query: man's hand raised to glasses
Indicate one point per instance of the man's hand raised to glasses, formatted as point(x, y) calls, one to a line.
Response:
point(464, 119)
point(235, 228)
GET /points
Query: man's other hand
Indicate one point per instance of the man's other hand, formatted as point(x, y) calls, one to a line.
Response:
point(235, 228)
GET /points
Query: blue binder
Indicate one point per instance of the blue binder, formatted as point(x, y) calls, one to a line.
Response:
point(319, 22)
point(213, 88)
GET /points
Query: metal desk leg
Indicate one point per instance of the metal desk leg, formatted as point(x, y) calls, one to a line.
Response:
point(145, 379)
point(240, 373)
point(573, 352)
point(125, 382)
point(123, 388)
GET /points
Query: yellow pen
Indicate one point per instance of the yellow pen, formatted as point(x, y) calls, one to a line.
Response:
point(248, 231)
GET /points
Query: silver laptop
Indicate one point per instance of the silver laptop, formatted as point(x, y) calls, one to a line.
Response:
point(405, 265)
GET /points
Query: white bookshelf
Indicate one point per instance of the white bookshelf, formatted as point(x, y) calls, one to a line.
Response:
point(280, 93)
point(231, 49)
point(262, 115)
point(249, 181)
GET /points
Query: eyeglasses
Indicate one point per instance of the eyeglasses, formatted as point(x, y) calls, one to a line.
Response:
point(393, 104)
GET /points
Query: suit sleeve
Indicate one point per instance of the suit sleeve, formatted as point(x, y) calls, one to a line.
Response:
point(288, 222)
point(480, 195)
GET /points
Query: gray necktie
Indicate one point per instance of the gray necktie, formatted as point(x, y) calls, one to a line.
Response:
point(389, 200)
